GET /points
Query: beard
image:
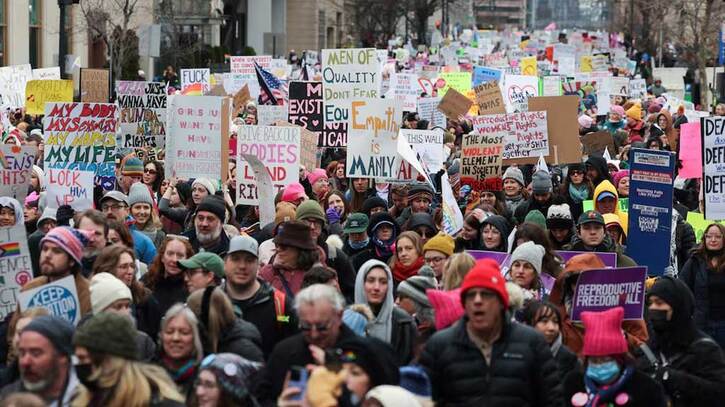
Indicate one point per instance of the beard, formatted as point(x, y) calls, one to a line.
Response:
point(44, 383)
point(206, 238)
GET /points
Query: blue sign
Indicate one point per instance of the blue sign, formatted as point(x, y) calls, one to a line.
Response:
point(650, 208)
point(481, 74)
point(59, 300)
point(721, 46)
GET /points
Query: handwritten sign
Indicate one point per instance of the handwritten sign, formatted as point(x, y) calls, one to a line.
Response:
point(602, 289)
point(405, 88)
point(82, 136)
point(348, 74)
point(16, 166)
point(244, 65)
point(12, 85)
point(195, 82)
point(198, 136)
point(517, 91)
point(47, 73)
point(528, 67)
point(481, 160)
point(94, 85)
point(428, 110)
point(277, 148)
point(241, 97)
point(69, 187)
point(460, 81)
point(427, 146)
point(690, 151)
point(142, 116)
point(638, 89)
point(334, 135)
point(482, 74)
point(526, 132)
point(60, 298)
point(713, 165)
point(40, 92)
point(270, 114)
point(16, 268)
point(372, 141)
point(489, 98)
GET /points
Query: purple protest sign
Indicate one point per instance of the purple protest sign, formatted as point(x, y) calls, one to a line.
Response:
point(609, 259)
point(601, 289)
point(498, 257)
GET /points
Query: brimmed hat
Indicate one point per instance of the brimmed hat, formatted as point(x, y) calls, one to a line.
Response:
point(590, 217)
point(356, 223)
point(295, 234)
point(206, 261)
point(310, 209)
point(116, 196)
point(243, 243)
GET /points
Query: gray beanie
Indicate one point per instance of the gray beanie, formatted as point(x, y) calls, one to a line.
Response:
point(529, 252)
point(515, 174)
point(541, 182)
point(48, 214)
point(414, 287)
point(56, 329)
point(139, 193)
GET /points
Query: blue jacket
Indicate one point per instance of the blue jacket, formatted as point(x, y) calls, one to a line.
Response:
point(143, 246)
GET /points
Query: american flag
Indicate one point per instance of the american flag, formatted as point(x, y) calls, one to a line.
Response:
point(270, 88)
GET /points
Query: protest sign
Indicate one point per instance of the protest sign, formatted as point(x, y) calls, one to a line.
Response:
point(619, 85)
point(372, 139)
point(12, 85)
point(623, 203)
point(564, 59)
point(244, 65)
point(427, 144)
point(16, 267)
point(270, 114)
point(452, 217)
point(59, 297)
point(348, 74)
point(526, 133)
point(482, 74)
point(69, 187)
point(263, 188)
point(460, 81)
point(637, 89)
point(82, 136)
point(46, 73)
point(409, 162)
point(690, 151)
point(195, 82)
point(563, 129)
point(699, 224)
point(406, 89)
point(596, 142)
point(308, 148)
point(16, 166)
point(601, 289)
point(277, 148)
point(94, 85)
point(428, 110)
point(334, 135)
point(454, 104)
point(142, 116)
point(713, 166)
point(198, 142)
point(481, 161)
point(39, 92)
point(241, 97)
point(305, 105)
point(489, 98)
point(600, 63)
point(551, 86)
point(528, 66)
point(517, 90)
point(608, 258)
point(650, 208)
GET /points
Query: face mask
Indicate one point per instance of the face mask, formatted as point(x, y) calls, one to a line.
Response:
point(604, 372)
point(84, 371)
point(658, 319)
point(359, 244)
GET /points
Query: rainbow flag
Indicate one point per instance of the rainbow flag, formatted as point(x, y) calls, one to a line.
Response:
point(9, 249)
point(195, 89)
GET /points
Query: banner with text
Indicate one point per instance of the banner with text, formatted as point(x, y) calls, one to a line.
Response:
point(69, 187)
point(601, 289)
point(713, 166)
point(16, 268)
point(527, 134)
point(348, 74)
point(16, 167)
point(372, 142)
point(40, 92)
point(142, 116)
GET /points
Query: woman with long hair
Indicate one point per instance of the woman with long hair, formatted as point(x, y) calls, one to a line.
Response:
point(336, 174)
point(145, 214)
point(704, 273)
point(545, 318)
point(408, 257)
point(165, 279)
point(469, 238)
point(336, 217)
point(456, 269)
point(118, 234)
point(576, 188)
point(180, 349)
point(153, 176)
point(495, 231)
point(358, 192)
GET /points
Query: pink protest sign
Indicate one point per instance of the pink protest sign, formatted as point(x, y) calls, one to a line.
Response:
point(690, 151)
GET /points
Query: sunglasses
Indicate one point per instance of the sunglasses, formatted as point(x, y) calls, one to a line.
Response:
point(320, 328)
point(149, 171)
point(577, 172)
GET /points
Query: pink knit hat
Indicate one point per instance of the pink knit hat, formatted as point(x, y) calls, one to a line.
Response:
point(617, 109)
point(619, 175)
point(585, 121)
point(603, 333)
point(316, 174)
point(447, 306)
point(72, 241)
point(293, 192)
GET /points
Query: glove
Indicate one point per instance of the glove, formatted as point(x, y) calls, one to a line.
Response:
point(324, 387)
point(64, 214)
point(332, 216)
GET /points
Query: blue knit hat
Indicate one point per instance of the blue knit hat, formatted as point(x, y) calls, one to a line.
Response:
point(355, 321)
point(415, 380)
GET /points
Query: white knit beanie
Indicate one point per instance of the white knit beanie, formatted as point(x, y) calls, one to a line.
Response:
point(530, 252)
point(107, 289)
point(206, 183)
point(515, 174)
point(139, 193)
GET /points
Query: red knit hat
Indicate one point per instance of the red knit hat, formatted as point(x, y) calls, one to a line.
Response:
point(603, 333)
point(486, 274)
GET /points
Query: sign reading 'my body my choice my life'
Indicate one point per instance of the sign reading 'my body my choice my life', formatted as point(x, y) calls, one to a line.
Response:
point(650, 208)
point(713, 166)
point(348, 74)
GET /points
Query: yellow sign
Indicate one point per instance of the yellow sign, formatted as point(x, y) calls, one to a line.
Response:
point(528, 66)
point(585, 63)
point(460, 81)
point(38, 92)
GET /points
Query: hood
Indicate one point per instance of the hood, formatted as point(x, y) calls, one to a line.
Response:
point(667, 116)
point(600, 164)
point(421, 219)
point(500, 223)
point(612, 218)
point(380, 327)
point(607, 186)
point(681, 330)
point(13, 203)
point(576, 265)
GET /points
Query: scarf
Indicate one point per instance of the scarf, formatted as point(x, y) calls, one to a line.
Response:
point(578, 194)
point(513, 201)
point(606, 394)
point(402, 272)
point(384, 249)
point(358, 245)
point(183, 373)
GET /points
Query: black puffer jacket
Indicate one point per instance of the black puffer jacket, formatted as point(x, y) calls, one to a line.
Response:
point(685, 241)
point(532, 204)
point(243, 339)
point(522, 370)
point(695, 275)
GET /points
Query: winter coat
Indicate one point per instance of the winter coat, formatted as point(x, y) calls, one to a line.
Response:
point(180, 216)
point(607, 246)
point(522, 371)
point(34, 248)
point(336, 259)
point(243, 339)
point(220, 248)
point(685, 241)
point(566, 361)
point(607, 186)
point(613, 127)
point(169, 291)
point(260, 311)
point(641, 389)
point(288, 281)
point(695, 275)
point(533, 205)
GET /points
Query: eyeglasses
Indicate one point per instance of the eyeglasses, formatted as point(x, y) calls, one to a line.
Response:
point(320, 328)
point(113, 207)
point(149, 171)
point(192, 272)
point(434, 260)
point(425, 233)
point(577, 172)
point(713, 237)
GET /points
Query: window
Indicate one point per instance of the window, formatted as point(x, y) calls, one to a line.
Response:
point(34, 38)
point(321, 31)
point(3, 33)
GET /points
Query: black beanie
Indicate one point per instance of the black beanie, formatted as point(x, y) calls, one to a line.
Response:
point(58, 331)
point(109, 334)
point(375, 357)
point(213, 204)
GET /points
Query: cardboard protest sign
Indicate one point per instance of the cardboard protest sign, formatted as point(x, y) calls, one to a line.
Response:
point(244, 65)
point(305, 105)
point(460, 81)
point(563, 129)
point(482, 74)
point(650, 208)
point(12, 85)
point(60, 298)
point(526, 133)
point(94, 85)
point(69, 187)
point(427, 144)
point(517, 90)
point(16, 267)
point(481, 161)
point(40, 92)
point(454, 104)
point(270, 114)
point(198, 142)
point(195, 82)
point(348, 74)
point(142, 116)
point(428, 110)
point(16, 167)
point(638, 89)
point(240, 99)
point(690, 151)
point(277, 148)
point(608, 258)
point(82, 136)
point(450, 211)
point(601, 289)
point(713, 166)
point(489, 98)
point(596, 142)
point(372, 139)
point(308, 148)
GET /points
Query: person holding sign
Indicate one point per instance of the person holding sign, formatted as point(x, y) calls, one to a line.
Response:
point(610, 377)
point(592, 237)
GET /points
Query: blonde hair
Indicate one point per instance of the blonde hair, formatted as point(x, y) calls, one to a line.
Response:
point(221, 314)
point(456, 269)
point(181, 310)
point(132, 383)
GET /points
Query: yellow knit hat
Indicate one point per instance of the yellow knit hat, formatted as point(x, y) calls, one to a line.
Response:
point(634, 112)
point(442, 243)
